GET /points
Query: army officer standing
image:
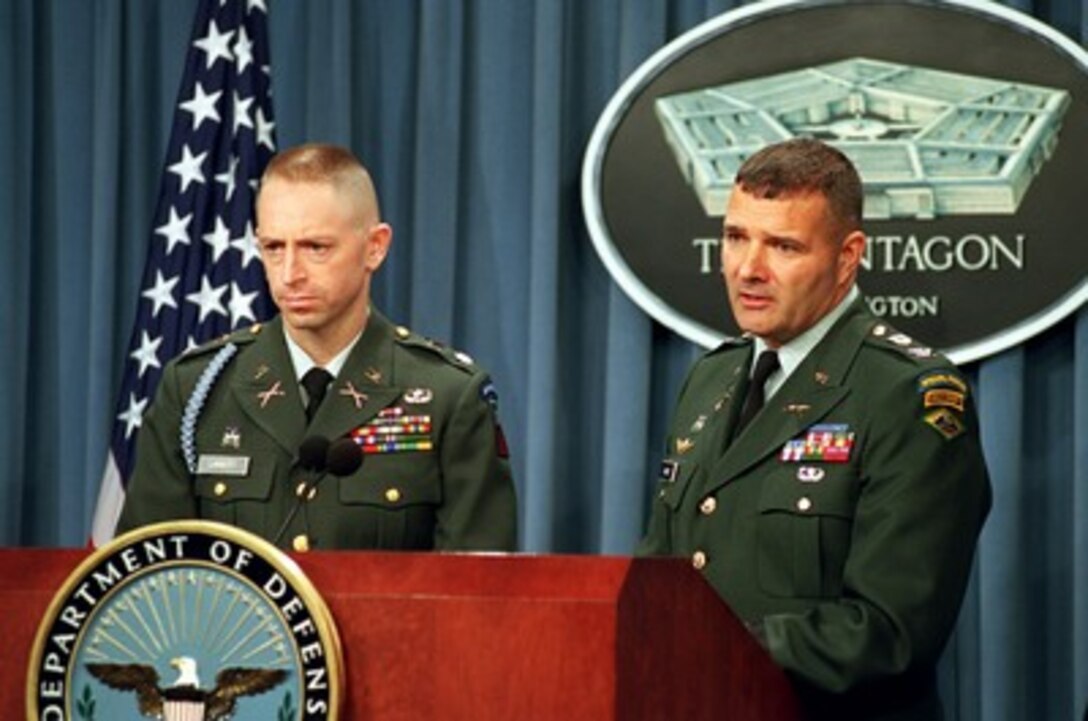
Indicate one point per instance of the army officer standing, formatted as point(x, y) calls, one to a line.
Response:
point(222, 440)
point(824, 472)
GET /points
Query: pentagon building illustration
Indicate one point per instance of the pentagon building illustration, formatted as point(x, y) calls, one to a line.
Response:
point(927, 143)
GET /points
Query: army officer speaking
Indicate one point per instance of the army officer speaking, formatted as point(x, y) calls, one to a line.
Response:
point(824, 472)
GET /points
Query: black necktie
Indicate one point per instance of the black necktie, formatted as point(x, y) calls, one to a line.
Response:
point(316, 382)
point(753, 400)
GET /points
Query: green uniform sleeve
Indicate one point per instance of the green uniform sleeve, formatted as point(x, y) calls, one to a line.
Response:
point(924, 496)
point(160, 487)
point(478, 509)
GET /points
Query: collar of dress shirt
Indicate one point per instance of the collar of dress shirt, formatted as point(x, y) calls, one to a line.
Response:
point(302, 362)
point(793, 353)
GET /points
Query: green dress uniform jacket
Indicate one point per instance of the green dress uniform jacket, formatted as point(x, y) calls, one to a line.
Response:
point(840, 525)
point(435, 474)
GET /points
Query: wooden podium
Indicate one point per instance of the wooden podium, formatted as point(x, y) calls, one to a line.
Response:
point(481, 637)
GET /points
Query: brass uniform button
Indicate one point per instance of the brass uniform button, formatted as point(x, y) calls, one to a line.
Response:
point(709, 505)
point(804, 503)
point(392, 495)
point(301, 543)
point(300, 489)
point(402, 332)
point(698, 560)
point(220, 489)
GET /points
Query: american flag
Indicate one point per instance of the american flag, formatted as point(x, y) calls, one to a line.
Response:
point(202, 277)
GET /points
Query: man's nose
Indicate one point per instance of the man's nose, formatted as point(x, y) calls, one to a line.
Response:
point(293, 269)
point(752, 262)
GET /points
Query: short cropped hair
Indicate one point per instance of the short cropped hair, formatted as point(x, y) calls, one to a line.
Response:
point(325, 163)
point(805, 165)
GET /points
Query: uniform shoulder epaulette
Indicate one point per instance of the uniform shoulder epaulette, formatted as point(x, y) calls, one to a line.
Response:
point(237, 337)
point(731, 342)
point(456, 358)
point(882, 335)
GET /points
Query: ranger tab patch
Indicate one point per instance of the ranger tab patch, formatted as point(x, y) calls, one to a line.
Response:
point(827, 442)
point(944, 399)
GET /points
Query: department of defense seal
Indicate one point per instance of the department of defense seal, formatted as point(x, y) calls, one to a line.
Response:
point(186, 621)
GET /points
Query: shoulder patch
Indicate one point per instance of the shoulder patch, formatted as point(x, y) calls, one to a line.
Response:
point(943, 395)
point(945, 422)
point(488, 394)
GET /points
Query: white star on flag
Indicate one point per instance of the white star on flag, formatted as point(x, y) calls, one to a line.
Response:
point(147, 354)
point(162, 293)
point(218, 239)
point(188, 168)
point(247, 246)
point(203, 106)
point(209, 298)
point(241, 304)
point(175, 230)
point(243, 50)
point(264, 130)
point(227, 177)
point(205, 146)
point(215, 45)
point(133, 416)
point(241, 113)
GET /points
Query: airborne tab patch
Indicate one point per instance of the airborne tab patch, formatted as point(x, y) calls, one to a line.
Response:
point(941, 379)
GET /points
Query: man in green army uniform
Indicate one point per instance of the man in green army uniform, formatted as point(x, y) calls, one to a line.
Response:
point(839, 520)
point(222, 440)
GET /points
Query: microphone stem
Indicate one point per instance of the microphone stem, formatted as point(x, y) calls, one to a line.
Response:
point(303, 492)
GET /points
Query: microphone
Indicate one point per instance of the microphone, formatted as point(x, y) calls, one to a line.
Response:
point(341, 457)
point(312, 453)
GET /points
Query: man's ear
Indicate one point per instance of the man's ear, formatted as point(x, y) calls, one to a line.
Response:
point(850, 254)
point(378, 239)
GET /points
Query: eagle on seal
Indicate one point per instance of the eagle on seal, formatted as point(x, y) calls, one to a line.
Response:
point(155, 702)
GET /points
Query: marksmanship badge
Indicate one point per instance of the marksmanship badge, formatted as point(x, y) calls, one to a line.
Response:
point(186, 621)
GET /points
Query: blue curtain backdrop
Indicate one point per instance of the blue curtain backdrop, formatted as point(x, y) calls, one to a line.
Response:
point(473, 116)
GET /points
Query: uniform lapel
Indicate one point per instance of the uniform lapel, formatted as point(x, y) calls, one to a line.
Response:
point(726, 407)
point(265, 387)
point(363, 386)
point(810, 393)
